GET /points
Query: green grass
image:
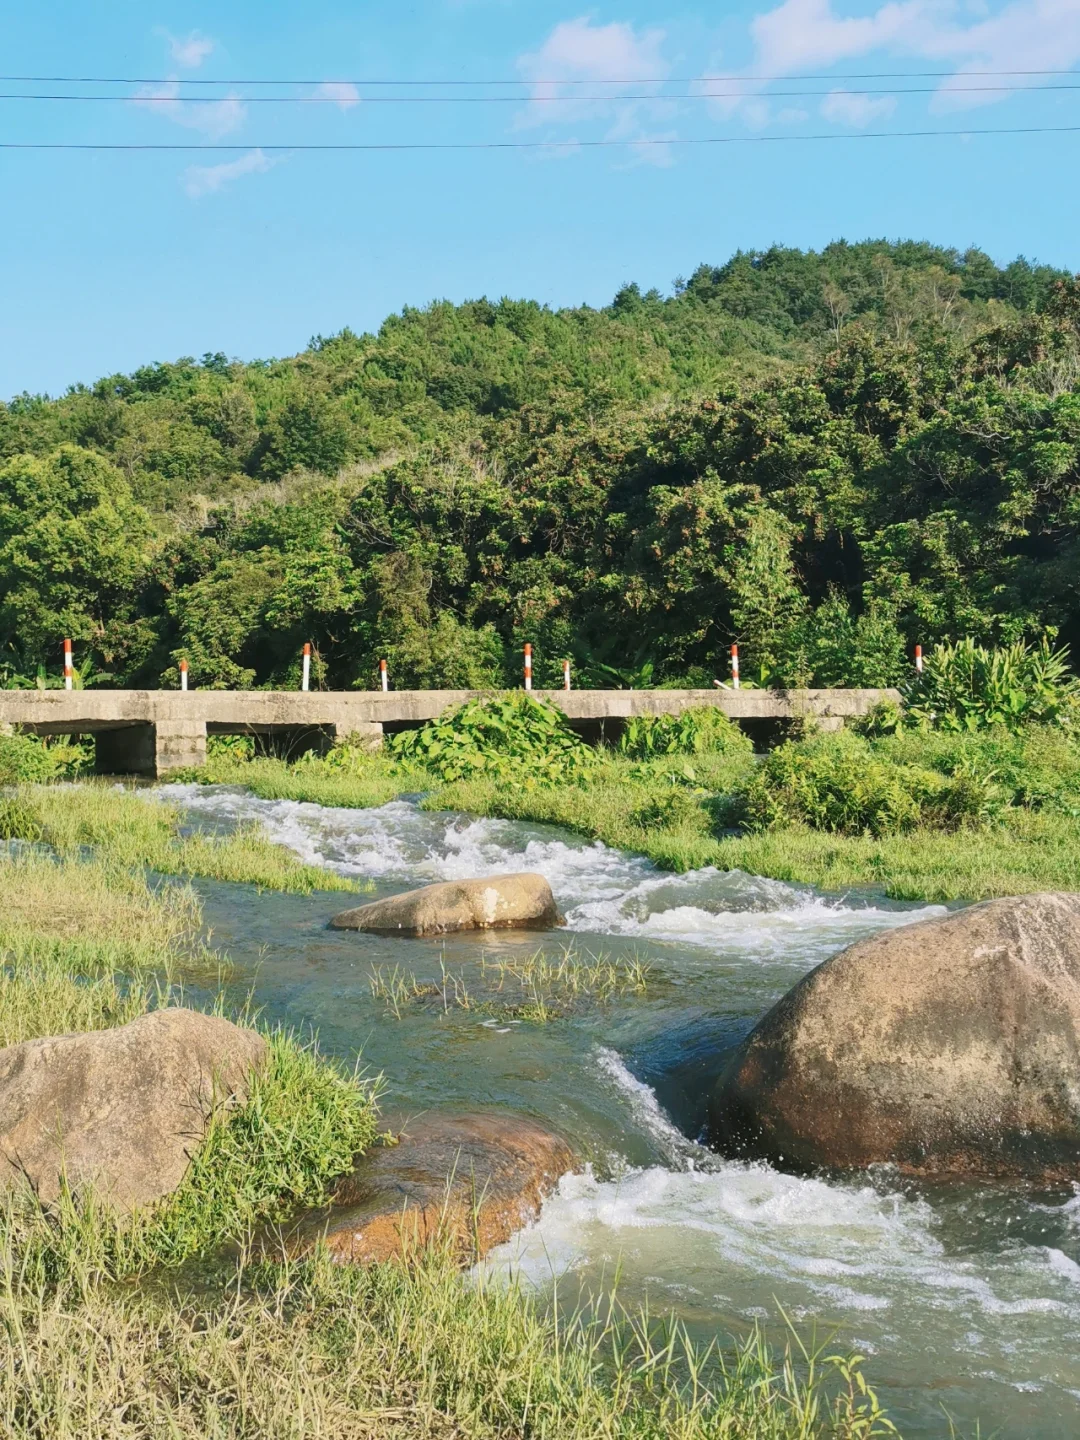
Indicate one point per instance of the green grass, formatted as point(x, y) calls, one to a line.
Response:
point(1028, 851)
point(136, 829)
point(388, 1352)
point(373, 780)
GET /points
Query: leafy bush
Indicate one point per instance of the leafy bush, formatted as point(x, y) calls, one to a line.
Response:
point(884, 718)
point(1037, 767)
point(839, 783)
point(28, 758)
point(495, 736)
point(700, 731)
point(230, 747)
point(970, 687)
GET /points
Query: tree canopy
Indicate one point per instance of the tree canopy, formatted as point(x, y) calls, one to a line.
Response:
point(826, 456)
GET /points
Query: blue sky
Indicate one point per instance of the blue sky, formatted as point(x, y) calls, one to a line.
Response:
point(110, 260)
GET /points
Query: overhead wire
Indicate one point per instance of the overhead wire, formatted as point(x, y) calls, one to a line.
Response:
point(532, 99)
point(681, 141)
point(521, 81)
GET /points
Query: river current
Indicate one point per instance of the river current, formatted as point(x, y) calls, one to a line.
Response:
point(965, 1300)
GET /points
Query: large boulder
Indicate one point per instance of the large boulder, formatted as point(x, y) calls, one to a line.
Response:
point(466, 1181)
point(501, 902)
point(122, 1110)
point(950, 1046)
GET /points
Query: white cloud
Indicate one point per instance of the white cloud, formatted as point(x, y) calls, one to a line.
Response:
point(843, 107)
point(214, 120)
point(208, 179)
point(615, 61)
point(580, 50)
point(191, 51)
point(343, 92)
point(802, 35)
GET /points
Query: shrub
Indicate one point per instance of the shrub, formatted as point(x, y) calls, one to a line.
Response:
point(703, 730)
point(840, 783)
point(969, 687)
point(495, 736)
point(28, 757)
point(230, 747)
point(1037, 767)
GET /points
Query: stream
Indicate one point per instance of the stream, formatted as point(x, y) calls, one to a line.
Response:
point(965, 1299)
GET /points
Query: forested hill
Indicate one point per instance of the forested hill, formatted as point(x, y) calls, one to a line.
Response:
point(826, 456)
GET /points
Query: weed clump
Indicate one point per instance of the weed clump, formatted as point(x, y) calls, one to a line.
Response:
point(842, 785)
point(537, 988)
point(499, 736)
point(37, 759)
point(702, 730)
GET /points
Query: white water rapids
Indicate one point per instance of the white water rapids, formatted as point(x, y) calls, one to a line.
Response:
point(966, 1300)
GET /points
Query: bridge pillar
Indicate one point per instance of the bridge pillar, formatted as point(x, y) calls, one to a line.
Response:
point(152, 750)
point(179, 745)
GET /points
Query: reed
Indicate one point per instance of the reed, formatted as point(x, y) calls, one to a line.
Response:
point(538, 987)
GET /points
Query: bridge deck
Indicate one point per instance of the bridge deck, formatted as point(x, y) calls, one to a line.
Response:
point(151, 732)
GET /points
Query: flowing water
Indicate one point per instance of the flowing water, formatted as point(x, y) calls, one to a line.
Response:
point(966, 1300)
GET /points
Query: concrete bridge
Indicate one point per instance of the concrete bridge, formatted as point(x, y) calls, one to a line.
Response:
point(154, 732)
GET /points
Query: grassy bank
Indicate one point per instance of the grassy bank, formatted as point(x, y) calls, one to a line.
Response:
point(133, 828)
point(676, 812)
point(1027, 851)
point(161, 1325)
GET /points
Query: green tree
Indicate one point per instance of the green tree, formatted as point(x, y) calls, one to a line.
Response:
point(75, 560)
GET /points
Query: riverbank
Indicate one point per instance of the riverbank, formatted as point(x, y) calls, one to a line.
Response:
point(165, 1324)
point(675, 812)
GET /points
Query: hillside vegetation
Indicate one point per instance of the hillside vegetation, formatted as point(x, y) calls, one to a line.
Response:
point(824, 456)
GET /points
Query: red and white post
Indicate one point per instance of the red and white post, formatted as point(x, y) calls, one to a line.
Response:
point(918, 658)
point(384, 676)
point(183, 674)
point(566, 674)
point(68, 669)
point(735, 667)
point(528, 667)
point(305, 679)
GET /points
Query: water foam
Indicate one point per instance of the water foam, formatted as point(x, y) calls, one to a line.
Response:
point(648, 1113)
point(728, 1232)
point(601, 890)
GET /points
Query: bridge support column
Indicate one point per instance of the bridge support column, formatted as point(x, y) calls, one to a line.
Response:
point(152, 750)
point(179, 745)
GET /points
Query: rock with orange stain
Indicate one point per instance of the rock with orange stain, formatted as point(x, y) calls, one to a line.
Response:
point(466, 1181)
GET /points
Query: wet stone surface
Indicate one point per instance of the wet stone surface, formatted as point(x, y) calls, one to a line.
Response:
point(468, 1181)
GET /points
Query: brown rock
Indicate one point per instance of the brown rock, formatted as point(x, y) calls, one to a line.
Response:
point(122, 1110)
point(501, 902)
point(466, 1180)
point(947, 1046)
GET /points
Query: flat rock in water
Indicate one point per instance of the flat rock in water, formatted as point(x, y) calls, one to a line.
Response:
point(466, 1180)
point(122, 1110)
point(950, 1046)
point(501, 902)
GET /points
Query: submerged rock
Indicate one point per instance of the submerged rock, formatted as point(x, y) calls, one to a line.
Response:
point(947, 1046)
point(122, 1110)
point(501, 902)
point(468, 1181)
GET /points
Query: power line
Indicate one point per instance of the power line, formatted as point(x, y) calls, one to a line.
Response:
point(646, 80)
point(530, 100)
point(544, 144)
